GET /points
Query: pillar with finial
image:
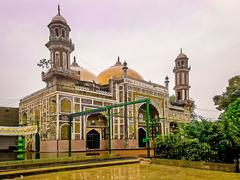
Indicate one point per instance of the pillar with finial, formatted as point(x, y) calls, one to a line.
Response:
point(125, 69)
point(166, 82)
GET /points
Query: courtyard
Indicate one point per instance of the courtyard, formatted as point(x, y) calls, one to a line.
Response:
point(138, 171)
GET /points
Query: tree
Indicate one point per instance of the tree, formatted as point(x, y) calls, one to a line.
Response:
point(231, 94)
point(231, 120)
point(172, 99)
point(192, 108)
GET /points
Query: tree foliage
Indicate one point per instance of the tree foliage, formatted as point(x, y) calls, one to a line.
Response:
point(205, 140)
point(231, 121)
point(232, 93)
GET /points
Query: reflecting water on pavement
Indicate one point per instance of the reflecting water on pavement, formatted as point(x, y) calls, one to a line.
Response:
point(136, 172)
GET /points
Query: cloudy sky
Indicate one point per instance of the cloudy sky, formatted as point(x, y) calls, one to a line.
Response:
point(148, 34)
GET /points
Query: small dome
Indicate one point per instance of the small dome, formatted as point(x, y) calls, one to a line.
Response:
point(117, 73)
point(85, 75)
point(181, 55)
point(59, 18)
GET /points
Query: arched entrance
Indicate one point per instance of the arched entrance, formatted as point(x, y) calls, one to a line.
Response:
point(154, 124)
point(141, 136)
point(93, 139)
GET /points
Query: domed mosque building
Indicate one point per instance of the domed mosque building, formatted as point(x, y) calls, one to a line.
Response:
point(71, 88)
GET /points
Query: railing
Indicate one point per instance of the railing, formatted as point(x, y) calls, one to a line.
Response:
point(82, 88)
point(192, 153)
point(147, 85)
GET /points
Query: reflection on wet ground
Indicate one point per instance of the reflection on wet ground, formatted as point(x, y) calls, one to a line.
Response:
point(135, 172)
point(8, 156)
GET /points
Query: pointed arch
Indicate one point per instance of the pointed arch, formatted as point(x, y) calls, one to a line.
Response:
point(64, 131)
point(141, 135)
point(93, 139)
point(66, 105)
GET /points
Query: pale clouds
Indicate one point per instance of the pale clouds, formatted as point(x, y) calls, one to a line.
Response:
point(148, 34)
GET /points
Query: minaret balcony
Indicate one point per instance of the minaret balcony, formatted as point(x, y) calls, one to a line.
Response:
point(60, 72)
point(181, 69)
point(60, 41)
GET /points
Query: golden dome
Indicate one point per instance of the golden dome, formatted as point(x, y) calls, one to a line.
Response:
point(116, 72)
point(85, 75)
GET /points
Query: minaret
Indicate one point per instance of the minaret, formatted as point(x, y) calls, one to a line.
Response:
point(181, 71)
point(60, 47)
point(59, 44)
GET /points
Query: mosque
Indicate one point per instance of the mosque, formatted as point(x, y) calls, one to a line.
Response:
point(71, 88)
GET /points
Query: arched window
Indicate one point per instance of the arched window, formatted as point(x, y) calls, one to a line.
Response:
point(178, 64)
point(57, 59)
point(183, 78)
point(64, 59)
point(178, 78)
point(182, 63)
point(63, 33)
point(64, 132)
point(57, 32)
point(66, 105)
point(24, 118)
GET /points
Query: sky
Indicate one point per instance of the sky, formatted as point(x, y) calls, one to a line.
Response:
point(148, 34)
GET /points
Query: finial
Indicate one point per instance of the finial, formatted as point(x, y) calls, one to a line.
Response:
point(166, 82)
point(124, 63)
point(181, 50)
point(74, 59)
point(118, 63)
point(58, 9)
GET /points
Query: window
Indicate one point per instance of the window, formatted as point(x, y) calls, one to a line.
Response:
point(179, 96)
point(183, 78)
point(178, 78)
point(57, 32)
point(182, 63)
point(63, 33)
point(66, 105)
point(121, 96)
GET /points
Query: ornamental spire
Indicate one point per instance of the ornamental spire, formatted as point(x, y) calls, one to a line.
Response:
point(118, 63)
point(58, 9)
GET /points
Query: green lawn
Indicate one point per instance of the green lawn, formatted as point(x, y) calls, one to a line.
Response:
point(139, 171)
